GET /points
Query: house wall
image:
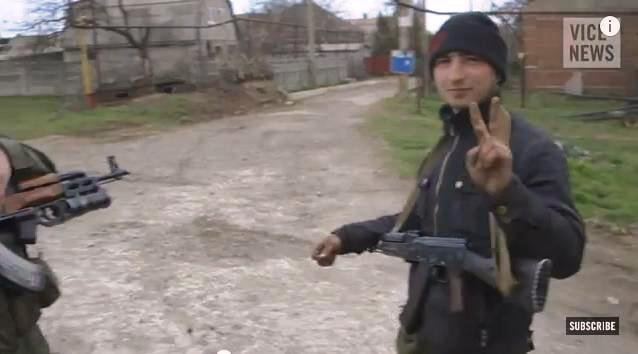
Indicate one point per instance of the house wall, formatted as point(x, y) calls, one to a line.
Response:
point(189, 13)
point(122, 66)
point(542, 40)
point(175, 53)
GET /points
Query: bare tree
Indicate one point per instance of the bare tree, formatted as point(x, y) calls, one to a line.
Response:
point(276, 6)
point(45, 16)
point(238, 32)
point(512, 22)
point(270, 6)
point(56, 15)
point(97, 16)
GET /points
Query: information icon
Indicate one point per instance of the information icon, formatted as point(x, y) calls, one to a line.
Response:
point(610, 26)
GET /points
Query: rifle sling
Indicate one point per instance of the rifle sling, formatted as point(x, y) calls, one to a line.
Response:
point(427, 165)
point(500, 251)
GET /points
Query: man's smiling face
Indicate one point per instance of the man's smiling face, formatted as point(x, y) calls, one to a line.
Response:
point(462, 78)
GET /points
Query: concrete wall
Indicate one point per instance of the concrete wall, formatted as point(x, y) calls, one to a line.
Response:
point(355, 62)
point(39, 78)
point(119, 68)
point(122, 66)
point(293, 74)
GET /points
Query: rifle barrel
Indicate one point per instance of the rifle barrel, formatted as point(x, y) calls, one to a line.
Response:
point(112, 176)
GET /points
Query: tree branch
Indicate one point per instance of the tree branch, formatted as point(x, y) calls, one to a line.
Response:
point(146, 37)
point(120, 5)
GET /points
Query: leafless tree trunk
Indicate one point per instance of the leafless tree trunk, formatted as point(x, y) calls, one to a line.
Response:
point(235, 24)
point(513, 22)
point(139, 42)
point(55, 15)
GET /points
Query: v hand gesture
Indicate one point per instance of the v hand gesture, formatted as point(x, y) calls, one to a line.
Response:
point(490, 162)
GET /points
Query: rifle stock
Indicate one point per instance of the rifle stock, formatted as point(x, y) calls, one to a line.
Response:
point(49, 200)
point(56, 198)
point(533, 275)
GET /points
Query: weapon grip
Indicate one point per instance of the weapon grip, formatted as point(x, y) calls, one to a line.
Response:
point(45, 180)
point(456, 290)
point(32, 197)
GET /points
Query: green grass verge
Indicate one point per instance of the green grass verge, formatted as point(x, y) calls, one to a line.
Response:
point(32, 117)
point(603, 185)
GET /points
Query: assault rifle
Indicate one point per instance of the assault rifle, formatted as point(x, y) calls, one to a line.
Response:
point(453, 255)
point(49, 200)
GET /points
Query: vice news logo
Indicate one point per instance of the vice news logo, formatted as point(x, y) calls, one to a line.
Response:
point(592, 326)
point(591, 43)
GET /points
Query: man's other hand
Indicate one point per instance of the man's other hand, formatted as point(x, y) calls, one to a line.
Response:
point(327, 250)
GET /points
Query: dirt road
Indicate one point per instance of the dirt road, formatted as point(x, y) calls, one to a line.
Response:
point(207, 244)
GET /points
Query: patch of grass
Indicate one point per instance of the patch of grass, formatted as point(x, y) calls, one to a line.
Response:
point(32, 117)
point(407, 134)
point(603, 183)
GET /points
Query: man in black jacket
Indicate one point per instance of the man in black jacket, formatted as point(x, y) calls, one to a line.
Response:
point(496, 165)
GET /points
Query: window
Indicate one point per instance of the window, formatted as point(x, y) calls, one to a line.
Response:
point(213, 51)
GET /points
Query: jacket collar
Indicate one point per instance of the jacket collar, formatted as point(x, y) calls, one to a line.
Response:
point(458, 123)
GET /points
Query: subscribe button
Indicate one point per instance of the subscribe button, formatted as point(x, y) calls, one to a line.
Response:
point(593, 326)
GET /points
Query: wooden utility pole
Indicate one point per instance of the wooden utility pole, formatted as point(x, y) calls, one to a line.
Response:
point(426, 52)
point(312, 68)
point(522, 57)
point(96, 51)
point(198, 40)
point(405, 23)
point(87, 77)
point(424, 90)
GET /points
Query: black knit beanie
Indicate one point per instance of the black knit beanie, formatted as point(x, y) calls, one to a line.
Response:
point(474, 33)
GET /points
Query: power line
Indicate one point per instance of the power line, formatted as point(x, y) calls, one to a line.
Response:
point(105, 27)
point(547, 13)
point(235, 18)
point(140, 4)
point(288, 24)
point(285, 24)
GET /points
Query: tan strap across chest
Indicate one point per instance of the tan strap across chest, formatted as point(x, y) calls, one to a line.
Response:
point(500, 251)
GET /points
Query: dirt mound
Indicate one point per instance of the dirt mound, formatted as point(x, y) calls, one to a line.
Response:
point(223, 100)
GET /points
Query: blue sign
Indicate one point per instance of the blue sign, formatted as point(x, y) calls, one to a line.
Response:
point(402, 62)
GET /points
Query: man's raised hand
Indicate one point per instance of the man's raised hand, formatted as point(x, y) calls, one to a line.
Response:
point(490, 162)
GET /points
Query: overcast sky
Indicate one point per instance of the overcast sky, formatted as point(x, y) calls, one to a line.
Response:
point(13, 10)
